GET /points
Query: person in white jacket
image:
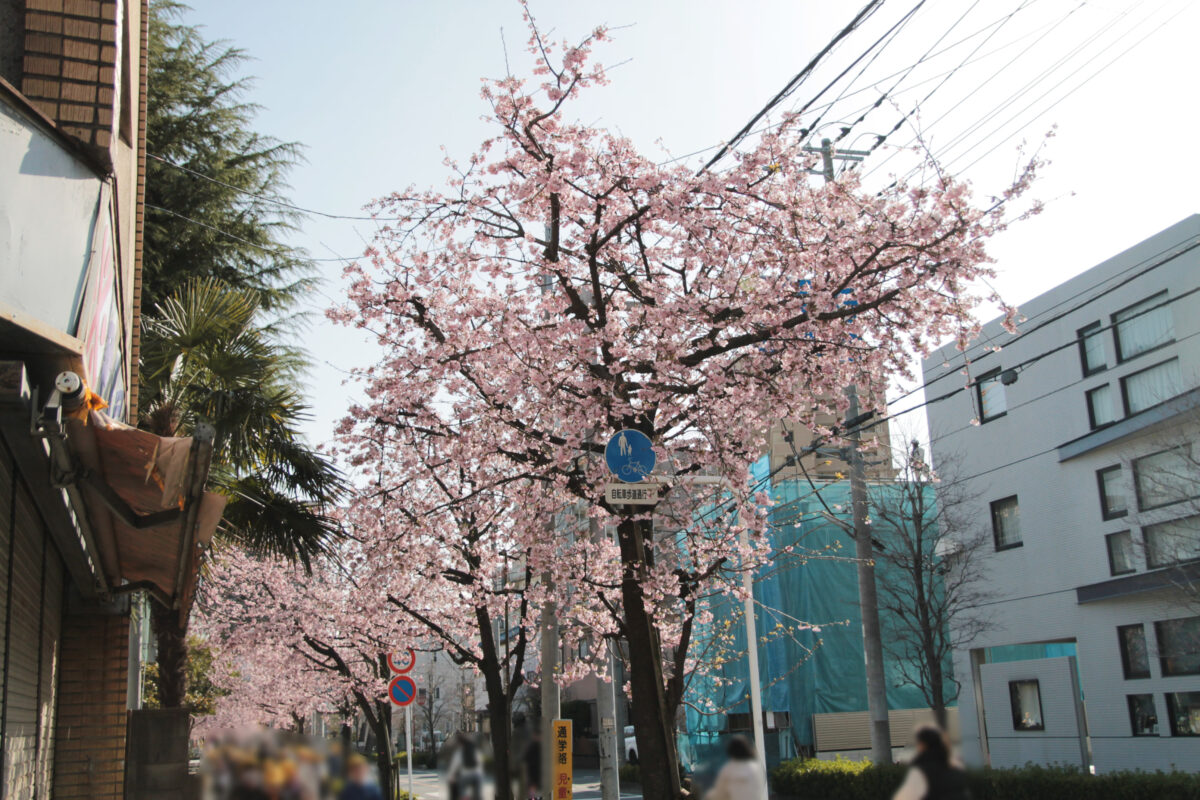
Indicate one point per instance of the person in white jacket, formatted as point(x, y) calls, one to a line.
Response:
point(741, 778)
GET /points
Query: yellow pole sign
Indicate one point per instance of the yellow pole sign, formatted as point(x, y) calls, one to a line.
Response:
point(563, 773)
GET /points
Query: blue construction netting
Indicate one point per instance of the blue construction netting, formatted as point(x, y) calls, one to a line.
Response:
point(804, 671)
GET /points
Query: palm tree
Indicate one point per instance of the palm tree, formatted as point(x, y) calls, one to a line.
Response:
point(208, 357)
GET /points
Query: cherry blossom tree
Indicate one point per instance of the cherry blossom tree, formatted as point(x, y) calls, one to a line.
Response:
point(564, 286)
point(449, 565)
point(293, 641)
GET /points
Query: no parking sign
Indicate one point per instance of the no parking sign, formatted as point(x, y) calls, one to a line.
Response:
point(402, 690)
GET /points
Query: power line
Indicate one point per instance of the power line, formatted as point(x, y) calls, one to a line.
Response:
point(1076, 88)
point(974, 89)
point(272, 251)
point(914, 87)
point(1119, 280)
point(867, 10)
point(797, 456)
point(268, 199)
point(894, 33)
point(1031, 86)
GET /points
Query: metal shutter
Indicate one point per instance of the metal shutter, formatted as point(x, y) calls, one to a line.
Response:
point(33, 591)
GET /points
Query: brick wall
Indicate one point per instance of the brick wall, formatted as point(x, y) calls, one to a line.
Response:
point(90, 748)
point(70, 65)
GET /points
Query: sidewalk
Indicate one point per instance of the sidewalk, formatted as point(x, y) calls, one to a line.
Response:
point(430, 785)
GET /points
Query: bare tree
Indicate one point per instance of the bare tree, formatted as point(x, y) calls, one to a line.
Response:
point(438, 702)
point(928, 543)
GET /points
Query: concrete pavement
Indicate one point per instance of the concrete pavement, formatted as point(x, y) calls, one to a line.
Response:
point(431, 785)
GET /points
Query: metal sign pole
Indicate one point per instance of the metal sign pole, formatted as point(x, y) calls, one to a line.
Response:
point(408, 750)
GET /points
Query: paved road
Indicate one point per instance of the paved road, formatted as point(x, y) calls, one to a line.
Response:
point(430, 785)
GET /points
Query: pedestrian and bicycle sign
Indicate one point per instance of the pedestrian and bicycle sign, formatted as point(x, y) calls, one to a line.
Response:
point(629, 455)
point(402, 690)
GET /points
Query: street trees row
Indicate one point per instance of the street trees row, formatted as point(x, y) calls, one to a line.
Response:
point(564, 287)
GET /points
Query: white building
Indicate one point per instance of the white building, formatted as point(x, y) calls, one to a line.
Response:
point(1079, 438)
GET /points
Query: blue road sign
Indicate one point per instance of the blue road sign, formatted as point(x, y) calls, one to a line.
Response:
point(402, 690)
point(630, 455)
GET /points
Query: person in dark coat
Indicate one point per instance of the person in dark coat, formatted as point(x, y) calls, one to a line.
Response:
point(533, 766)
point(933, 775)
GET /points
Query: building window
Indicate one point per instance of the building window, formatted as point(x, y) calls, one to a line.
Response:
point(1165, 477)
point(1151, 386)
point(1112, 494)
point(1026, 698)
point(1006, 523)
point(1135, 657)
point(738, 722)
point(1183, 710)
point(1120, 552)
point(1143, 719)
point(1142, 327)
point(1101, 408)
point(1091, 349)
point(990, 393)
point(1179, 646)
point(1174, 542)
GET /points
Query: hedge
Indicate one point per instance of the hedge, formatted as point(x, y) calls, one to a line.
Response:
point(843, 779)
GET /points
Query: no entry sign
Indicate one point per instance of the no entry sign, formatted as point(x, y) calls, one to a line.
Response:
point(402, 690)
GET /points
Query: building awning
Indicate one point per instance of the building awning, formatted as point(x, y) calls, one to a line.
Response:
point(149, 513)
point(1181, 576)
point(138, 514)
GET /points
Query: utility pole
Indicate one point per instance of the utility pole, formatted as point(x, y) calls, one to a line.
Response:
point(868, 599)
point(606, 709)
point(548, 627)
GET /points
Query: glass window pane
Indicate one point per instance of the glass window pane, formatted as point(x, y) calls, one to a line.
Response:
point(1139, 330)
point(1135, 657)
point(1183, 709)
point(1092, 349)
point(1006, 523)
point(1179, 646)
point(1101, 408)
point(992, 401)
point(1112, 493)
point(1152, 386)
point(1026, 698)
point(1172, 542)
point(1120, 552)
point(1164, 478)
point(1143, 717)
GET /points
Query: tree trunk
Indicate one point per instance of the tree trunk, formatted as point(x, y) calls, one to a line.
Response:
point(171, 638)
point(500, 715)
point(652, 724)
point(383, 754)
point(937, 694)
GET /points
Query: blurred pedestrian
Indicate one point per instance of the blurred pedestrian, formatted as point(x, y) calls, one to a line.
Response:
point(359, 785)
point(533, 766)
point(740, 778)
point(933, 775)
point(466, 770)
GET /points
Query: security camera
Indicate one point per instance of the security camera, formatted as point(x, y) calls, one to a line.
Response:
point(70, 388)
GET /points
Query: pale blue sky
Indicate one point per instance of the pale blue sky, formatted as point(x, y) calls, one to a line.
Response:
point(374, 89)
